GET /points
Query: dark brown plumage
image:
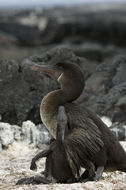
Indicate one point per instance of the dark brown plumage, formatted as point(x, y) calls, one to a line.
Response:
point(88, 142)
point(96, 135)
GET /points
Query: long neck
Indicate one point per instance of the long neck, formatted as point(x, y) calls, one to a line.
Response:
point(51, 102)
point(63, 95)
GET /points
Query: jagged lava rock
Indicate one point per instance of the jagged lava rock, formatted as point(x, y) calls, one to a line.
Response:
point(106, 89)
point(22, 89)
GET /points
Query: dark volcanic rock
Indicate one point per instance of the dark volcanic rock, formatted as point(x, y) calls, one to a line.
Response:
point(27, 35)
point(25, 25)
point(105, 24)
point(86, 23)
point(106, 90)
point(7, 39)
point(22, 89)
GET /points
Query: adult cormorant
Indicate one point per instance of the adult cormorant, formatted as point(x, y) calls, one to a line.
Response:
point(85, 140)
point(92, 134)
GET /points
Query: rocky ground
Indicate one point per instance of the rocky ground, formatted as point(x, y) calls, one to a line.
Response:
point(15, 163)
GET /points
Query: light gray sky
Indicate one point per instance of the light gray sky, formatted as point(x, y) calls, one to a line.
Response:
point(4, 3)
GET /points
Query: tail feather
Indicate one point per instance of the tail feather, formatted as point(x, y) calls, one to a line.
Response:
point(117, 156)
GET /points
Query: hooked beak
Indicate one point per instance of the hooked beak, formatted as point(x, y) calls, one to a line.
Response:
point(50, 70)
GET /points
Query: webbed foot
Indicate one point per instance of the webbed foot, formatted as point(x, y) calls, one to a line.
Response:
point(34, 180)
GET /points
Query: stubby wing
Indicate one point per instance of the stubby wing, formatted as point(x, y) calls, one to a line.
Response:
point(84, 135)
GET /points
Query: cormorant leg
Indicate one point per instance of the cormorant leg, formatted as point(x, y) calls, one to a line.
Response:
point(44, 153)
point(33, 180)
point(98, 173)
point(36, 179)
point(44, 172)
point(48, 168)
